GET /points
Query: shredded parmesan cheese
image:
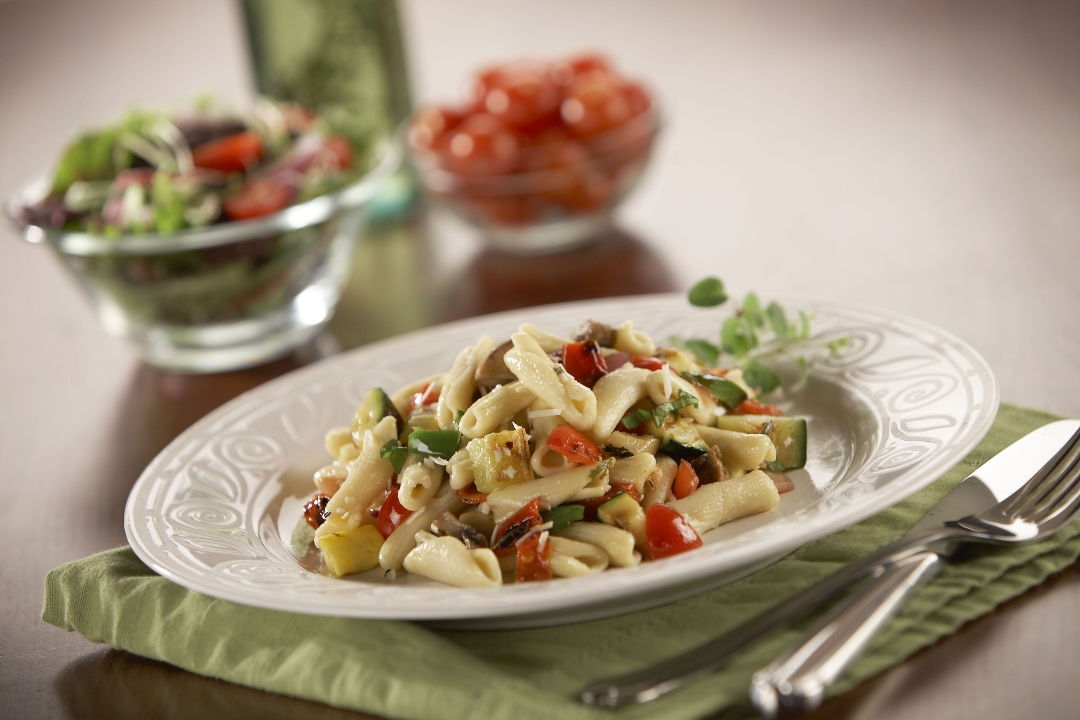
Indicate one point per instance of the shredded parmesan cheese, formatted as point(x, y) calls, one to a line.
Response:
point(666, 376)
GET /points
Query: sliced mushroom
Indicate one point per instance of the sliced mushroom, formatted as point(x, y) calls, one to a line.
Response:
point(709, 467)
point(493, 370)
point(447, 524)
point(604, 335)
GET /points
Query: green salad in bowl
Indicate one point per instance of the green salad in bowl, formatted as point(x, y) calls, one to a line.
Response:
point(212, 240)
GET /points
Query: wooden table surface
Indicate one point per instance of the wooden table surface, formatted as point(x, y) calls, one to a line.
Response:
point(919, 156)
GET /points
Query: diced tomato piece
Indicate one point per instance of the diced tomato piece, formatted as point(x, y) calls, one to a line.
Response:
point(668, 533)
point(315, 509)
point(256, 198)
point(573, 445)
point(234, 153)
point(584, 361)
point(646, 362)
point(686, 480)
point(469, 494)
point(392, 513)
point(533, 562)
point(750, 406)
point(514, 527)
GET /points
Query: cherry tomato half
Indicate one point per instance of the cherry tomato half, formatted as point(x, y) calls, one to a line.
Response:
point(668, 533)
point(515, 527)
point(573, 445)
point(584, 361)
point(339, 151)
point(533, 561)
point(647, 362)
point(258, 197)
point(392, 513)
point(233, 153)
point(686, 480)
point(750, 406)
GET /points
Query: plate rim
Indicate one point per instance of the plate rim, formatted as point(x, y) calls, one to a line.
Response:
point(974, 429)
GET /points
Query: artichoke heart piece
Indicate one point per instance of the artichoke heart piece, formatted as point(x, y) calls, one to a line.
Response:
point(500, 459)
point(351, 551)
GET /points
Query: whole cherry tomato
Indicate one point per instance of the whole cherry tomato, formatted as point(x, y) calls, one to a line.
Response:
point(483, 145)
point(594, 103)
point(564, 72)
point(523, 97)
point(431, 126)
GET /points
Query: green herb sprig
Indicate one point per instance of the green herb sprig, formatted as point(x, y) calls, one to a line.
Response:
point(753, 333)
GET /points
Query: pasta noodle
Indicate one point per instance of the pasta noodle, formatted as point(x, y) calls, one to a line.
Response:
point(721, 502)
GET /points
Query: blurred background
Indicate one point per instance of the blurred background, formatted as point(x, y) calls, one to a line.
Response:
point(909, 155)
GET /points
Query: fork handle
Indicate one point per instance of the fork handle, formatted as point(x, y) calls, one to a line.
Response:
point(798, 679)
point(663, 677)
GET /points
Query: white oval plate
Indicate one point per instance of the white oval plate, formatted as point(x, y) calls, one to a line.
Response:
point(215, 511)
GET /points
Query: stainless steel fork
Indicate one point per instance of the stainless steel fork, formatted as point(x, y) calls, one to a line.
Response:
point(799, 678)
point(1046, 458)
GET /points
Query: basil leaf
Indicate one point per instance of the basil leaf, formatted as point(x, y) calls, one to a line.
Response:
point(760, 377)
point(633, 419)
point(394, 454)
point(708, 293)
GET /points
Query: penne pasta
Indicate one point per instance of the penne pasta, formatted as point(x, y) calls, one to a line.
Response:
point(534, 448)
point(721, 502)
point(447, 560)
point(575, 402)
point(616, 393)
point(496, 410)
point(740, 452)
point(617, 543)
point(572, 558)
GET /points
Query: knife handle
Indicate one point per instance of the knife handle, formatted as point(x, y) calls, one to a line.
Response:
point(798, 679)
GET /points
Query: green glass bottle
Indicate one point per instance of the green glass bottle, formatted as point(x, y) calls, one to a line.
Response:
point(343, 59)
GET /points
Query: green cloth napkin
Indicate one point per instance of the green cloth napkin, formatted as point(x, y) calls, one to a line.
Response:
point(405, 670)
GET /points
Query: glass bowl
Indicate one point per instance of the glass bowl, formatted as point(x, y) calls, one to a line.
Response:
point(225, 296)
point(569, 202)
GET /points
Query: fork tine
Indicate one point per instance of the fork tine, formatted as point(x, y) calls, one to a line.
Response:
point(1064, 506)
point(1038, 485)
point(1057, 483)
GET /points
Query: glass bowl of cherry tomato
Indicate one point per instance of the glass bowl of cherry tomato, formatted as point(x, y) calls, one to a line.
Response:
point(541, 154)
point(209, 240)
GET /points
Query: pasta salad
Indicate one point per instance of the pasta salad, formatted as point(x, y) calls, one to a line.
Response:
point(547, 457)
